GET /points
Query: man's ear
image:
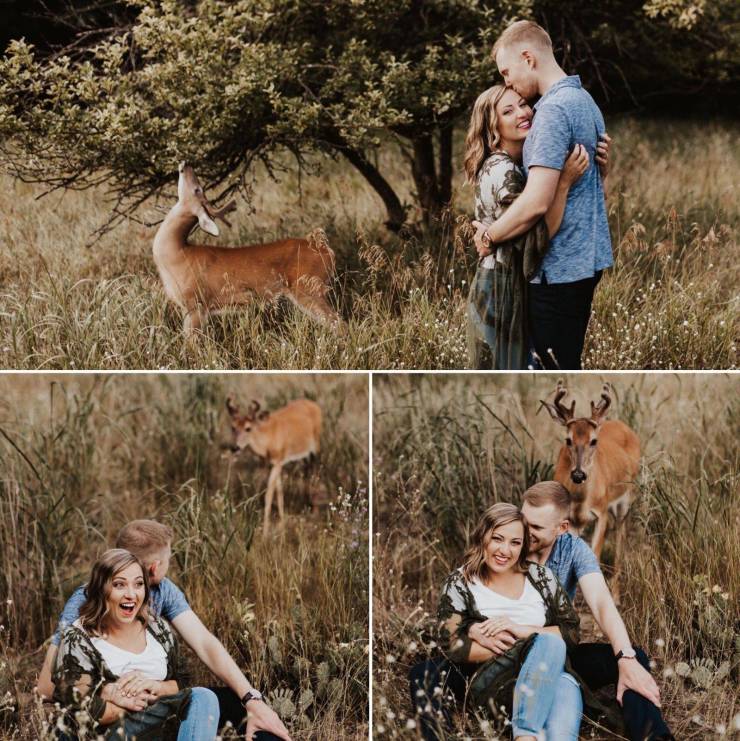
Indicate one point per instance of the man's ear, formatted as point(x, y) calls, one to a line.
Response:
point(564, 526)
point(529, 58)
point(153, 567)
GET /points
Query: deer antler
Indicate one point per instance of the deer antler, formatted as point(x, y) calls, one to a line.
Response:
point(598, 411)
point(558, 411)
point(231, 407)
point(254, 407)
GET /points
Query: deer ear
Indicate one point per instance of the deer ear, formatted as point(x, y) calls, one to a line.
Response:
point(207, 224)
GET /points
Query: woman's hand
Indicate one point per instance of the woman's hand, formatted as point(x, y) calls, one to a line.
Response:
point(134, 683)
point(575, 165)
point(602, 154)
point(498, 644)
point(481, 240)
point(493, 626)
point(112, 693)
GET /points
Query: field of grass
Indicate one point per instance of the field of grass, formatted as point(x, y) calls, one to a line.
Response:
point(81, 455)
point(445, 447)
point(671, 301)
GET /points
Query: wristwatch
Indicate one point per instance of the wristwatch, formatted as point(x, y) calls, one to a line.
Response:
point(252, 694)
point(626, 653)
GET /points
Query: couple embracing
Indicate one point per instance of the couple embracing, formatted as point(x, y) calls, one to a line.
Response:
point(509, 634)
point(542, 231)
point(114, 662)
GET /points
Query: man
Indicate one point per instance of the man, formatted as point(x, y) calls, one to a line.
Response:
point(546, 508)
point(560, 295)
point(151, 542)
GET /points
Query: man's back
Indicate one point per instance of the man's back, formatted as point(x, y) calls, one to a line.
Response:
point(565, 116)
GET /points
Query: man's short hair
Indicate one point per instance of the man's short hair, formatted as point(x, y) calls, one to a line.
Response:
point(522, 31)
point(144, 538)
point(548, 492)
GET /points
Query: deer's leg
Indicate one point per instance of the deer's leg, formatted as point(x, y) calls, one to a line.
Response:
point(316, 306)
point(597, 542)
point(280, 499)
point(272, 478)
point(193, 320)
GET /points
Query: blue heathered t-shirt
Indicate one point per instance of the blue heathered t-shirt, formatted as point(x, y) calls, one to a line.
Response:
point(165, 600)
point(570, 559)
point(566, 115)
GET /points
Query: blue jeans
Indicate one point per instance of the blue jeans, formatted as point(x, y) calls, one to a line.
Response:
point(540, 681)
point(201, 722)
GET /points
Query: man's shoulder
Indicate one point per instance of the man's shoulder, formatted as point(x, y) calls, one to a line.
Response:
point(574, 552)
point(571, 546)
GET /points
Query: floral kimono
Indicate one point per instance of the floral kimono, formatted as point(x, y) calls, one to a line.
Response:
point(497, 302)
point(492, 683)
point(81, 672)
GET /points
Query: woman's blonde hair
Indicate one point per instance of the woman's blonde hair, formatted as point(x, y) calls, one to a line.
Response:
point(95, 610)
point(483, 138)
point(474, 561)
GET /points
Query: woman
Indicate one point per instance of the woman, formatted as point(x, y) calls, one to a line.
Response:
point(497, 590)
point(116, 637)
point(499, 125)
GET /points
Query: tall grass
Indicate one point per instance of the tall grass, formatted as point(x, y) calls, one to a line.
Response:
point(670, 302)
point(446, 447)
point(83, 455)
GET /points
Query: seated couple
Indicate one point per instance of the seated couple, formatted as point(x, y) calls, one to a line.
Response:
point(114, 654)
point(510, 633)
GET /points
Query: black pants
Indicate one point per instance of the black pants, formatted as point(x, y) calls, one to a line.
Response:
point(558, 316)
point(231, 709)
point(593, 662)
point(596, 665)
point(432, 706)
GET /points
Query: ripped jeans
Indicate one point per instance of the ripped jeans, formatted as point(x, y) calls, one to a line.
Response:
point(547, 700)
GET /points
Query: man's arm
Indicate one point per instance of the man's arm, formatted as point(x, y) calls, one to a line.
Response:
point(45, 687)
point(213, 654)
point(529, 207)
point(632, 675)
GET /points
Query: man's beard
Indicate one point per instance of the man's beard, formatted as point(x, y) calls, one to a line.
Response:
point(537, 546)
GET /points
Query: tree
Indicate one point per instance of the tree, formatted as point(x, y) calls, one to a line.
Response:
point(224, 83)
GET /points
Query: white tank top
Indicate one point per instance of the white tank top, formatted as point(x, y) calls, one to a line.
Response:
point(529, 609)
point(151, 662)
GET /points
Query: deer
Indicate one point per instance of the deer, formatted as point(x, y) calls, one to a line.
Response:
point(597, 464)
point(290, 433)
point(204, 280)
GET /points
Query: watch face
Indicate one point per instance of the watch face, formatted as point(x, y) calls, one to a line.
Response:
point(628, 653)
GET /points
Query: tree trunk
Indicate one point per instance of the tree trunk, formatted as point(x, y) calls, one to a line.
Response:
point(395, 211)
point(445, 165)
point(425, 178)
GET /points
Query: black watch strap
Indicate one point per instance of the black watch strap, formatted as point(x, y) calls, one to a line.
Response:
point(251, 695)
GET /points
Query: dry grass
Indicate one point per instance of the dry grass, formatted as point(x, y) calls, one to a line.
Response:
point(445, 447)
point(84, 454)
point(671, 302)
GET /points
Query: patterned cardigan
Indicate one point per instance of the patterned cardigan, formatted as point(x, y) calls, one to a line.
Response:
point(81, 672)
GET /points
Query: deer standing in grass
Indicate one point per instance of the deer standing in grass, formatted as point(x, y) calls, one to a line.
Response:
point(597, 464)
point(290, 433)
point(205, 280)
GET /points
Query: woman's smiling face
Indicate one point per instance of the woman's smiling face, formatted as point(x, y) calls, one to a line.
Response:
point(126, 596)
point(514, 117)
point(504, 547)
